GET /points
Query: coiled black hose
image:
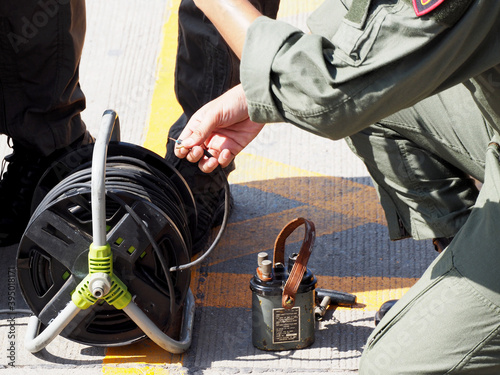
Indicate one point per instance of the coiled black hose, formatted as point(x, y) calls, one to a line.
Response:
point(129, 179)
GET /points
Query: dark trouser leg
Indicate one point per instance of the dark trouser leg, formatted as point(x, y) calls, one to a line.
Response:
point(205, 69)
point(40, 98)
point(40, 47)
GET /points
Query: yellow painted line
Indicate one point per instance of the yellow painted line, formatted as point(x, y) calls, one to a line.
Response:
point(165, 109)
point(141, 356)
point(251, 167)
point(137, 358)
point(371, 292)
point(143, 370)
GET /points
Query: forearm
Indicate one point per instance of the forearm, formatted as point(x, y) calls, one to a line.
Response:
point(232, 18)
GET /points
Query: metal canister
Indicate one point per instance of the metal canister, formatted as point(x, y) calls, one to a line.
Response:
point(283, 299)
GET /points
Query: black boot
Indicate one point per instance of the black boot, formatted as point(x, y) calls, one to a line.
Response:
point(24, 168)
point(386, 306)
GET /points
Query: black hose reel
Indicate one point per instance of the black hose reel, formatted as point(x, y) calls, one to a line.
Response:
point(136, 283)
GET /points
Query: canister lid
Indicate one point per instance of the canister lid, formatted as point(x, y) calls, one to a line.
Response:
point(275, 286)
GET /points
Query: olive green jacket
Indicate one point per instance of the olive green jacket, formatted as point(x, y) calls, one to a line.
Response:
point(363, 62)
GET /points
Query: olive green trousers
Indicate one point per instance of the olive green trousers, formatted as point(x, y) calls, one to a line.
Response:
point(421, 160)
point(449, 321)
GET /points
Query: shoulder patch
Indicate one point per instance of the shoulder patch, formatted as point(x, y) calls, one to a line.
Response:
point(423, 7)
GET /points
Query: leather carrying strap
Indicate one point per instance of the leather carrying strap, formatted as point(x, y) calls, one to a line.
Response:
point(300, 266)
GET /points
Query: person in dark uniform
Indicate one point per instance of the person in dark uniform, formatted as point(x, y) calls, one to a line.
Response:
point(40, 98)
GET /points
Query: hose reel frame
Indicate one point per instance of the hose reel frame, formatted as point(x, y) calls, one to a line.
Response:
point(146, 315)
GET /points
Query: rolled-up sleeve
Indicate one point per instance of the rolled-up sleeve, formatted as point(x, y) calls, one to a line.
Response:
point(336, 85)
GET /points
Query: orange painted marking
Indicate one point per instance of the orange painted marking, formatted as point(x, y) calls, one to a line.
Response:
point(142, 352)
point(371, 292)
point(335, 194)
point(334, 204)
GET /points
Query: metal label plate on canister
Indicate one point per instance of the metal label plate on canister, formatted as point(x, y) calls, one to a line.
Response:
point(286, 325)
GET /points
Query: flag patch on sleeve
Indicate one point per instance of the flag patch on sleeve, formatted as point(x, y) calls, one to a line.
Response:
point(423, 7)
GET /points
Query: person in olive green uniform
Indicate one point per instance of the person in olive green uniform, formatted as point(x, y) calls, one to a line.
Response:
point(413, 87)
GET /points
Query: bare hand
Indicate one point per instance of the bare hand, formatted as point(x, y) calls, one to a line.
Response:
point(222, 127)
